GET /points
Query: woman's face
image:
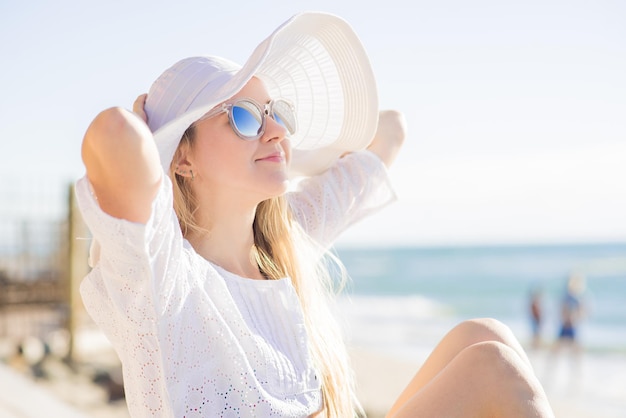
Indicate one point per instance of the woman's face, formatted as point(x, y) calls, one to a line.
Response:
point(225, 163)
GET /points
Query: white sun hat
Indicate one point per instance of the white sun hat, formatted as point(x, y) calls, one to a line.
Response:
point(315, 60)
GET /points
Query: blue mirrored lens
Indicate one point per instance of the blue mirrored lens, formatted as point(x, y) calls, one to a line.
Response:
point(246, 121)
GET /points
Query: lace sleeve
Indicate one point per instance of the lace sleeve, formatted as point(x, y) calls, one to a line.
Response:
point(355, 187)
point(133, 264)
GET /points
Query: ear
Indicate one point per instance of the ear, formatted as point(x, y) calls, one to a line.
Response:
point(181, 162)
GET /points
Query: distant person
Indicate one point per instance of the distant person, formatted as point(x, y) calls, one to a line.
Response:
point(572, 312)
point(536, 316)
point(208, 277)
point(571, 309)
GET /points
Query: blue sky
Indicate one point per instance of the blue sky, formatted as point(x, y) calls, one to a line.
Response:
point(516, 110)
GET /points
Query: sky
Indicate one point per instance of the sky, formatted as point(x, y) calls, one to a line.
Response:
point(516, 110)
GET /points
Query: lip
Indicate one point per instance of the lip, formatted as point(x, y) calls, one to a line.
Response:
point(275, 157)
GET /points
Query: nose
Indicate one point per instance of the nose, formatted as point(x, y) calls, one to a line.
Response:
point(274, 131)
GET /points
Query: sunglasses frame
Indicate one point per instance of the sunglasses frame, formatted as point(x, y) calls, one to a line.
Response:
point(266, 110)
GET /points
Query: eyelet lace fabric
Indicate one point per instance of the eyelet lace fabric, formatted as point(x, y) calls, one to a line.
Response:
point(198, 341)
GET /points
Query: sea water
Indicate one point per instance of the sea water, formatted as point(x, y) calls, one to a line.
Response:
point(404, 299)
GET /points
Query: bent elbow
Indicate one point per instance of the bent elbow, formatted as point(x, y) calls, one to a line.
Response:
point(101, 134)
point(115, 135)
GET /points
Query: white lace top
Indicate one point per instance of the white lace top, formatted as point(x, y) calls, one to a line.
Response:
point(196, 340)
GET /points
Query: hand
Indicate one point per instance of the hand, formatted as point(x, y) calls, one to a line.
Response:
point(138, 107)
point(389, 136)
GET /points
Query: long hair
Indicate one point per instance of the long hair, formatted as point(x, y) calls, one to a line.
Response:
point(283, 249)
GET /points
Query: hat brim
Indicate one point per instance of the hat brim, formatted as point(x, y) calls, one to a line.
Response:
point(316, 61)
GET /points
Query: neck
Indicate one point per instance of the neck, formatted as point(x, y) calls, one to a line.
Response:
point(229, 239)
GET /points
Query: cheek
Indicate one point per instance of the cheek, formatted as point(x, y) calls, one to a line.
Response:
point(286, 144)
point(213, 159)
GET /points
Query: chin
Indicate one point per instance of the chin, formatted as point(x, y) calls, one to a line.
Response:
point(269, 185)
point(279, 180)
point(281, 188)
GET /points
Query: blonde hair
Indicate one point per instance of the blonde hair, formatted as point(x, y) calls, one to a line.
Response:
point(283, 249)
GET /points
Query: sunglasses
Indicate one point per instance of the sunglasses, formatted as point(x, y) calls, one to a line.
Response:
point(248, 118)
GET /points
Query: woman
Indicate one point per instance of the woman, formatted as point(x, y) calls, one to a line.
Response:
point(210, 272)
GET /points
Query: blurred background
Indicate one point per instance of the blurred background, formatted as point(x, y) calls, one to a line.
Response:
point(510, 184)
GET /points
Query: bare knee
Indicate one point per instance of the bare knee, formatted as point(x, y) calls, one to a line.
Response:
point(485, 329)
point(479, 330)
point(495, 359)
point(505, 376)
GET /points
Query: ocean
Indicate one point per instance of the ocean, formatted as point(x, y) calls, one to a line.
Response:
point(403, 300)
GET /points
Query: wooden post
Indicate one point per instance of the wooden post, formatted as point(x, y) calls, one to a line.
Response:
point(78, 268)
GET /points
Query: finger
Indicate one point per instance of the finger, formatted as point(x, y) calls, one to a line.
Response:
point(138, 106)
point(140, 101)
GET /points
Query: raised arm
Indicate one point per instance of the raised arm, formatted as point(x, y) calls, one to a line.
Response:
point(389, 136)
point(122, 164)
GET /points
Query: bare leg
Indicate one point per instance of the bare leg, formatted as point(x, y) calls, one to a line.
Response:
point(477, 367)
